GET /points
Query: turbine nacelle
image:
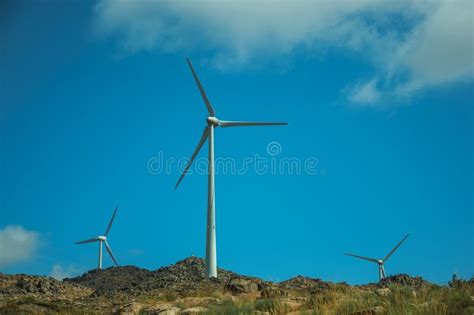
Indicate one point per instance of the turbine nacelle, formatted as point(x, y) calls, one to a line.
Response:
point(211, 120)
point(102, 238)
point(380, 262)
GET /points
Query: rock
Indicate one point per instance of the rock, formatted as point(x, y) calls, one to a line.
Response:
point(26, 285)
point(242, 285)
point(307, 284)
point(183, 277)
point(44, 286)
point(37, 286)
point(156, 309)
point(194, 310)
point(163, 309)
point(383, 292)
point(170, 311)
point(404, 279)
point(130, 309)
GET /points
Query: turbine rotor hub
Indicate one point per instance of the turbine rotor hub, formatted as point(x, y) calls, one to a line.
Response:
point(102, 238)
point(380, 262)
point(211, 120)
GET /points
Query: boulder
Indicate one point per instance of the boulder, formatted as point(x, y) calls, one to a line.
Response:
point(163, 309)
point(194, 310)
point(242, 285)
point(170, 311)
point(133, 308)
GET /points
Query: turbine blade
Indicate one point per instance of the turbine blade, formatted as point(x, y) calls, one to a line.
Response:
point(362, 257)
point(111, 221)
point(204, 136)
point(223, 123)
point(107, 247)
point(95, 239)
point(395, 248)
point(210, 109)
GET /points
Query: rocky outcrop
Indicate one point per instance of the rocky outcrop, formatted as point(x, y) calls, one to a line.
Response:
point(404, 279)
point(182, 278)
point(25, 285)
point(301, 283)
point(182, 288)
point(194, 310)
point(238, 285)
point(127, 279)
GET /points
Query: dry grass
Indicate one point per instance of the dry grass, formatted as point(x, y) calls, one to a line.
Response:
point(399, 300)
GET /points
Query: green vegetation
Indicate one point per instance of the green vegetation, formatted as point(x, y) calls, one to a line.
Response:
point(230, 307)
point(395, 300)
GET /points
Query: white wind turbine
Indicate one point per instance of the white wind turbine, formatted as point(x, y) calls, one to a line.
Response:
point(208, 133)
point(380, 262)
point(103, 239)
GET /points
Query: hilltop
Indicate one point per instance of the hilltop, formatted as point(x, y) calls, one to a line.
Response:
point(182, 289)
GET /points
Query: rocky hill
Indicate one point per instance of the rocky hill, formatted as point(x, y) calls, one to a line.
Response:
point(182, 289)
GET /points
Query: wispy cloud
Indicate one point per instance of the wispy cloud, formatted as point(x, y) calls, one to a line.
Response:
point(17, 244)
point(366, 93)
point(60, 272)
point(413, 45)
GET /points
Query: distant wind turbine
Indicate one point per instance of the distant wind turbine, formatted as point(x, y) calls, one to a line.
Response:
point(380, 262)
point(103, 239)
point(208, 133)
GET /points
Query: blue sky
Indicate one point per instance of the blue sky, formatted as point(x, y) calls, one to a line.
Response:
point(380, 96)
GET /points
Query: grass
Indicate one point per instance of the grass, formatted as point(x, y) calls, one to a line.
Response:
point(400, 300)
point(231, 307)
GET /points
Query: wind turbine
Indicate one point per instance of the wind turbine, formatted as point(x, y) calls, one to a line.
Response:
point(103, 239)
point(208, 134)
point(380, 262)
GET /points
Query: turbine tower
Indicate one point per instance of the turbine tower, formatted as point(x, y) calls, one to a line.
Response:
point(103, 239)
point(208, 134)
point(380, 262)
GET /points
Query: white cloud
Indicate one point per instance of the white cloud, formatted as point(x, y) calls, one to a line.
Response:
point(365, 93)
point(412, 44)
point(441, 49)
point(60, 272)
point(17, 244)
